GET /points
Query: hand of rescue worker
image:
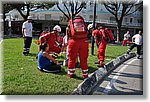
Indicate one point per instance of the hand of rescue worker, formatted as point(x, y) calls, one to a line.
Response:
point(132, 42)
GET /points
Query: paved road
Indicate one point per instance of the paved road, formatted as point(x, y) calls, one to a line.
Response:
point(127, 79)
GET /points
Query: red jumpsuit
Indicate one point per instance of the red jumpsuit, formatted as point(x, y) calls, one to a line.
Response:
point(78, 47)
point(51, 39)
point(101, 44)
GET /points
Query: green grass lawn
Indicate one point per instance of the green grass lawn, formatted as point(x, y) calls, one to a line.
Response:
point(21, 75)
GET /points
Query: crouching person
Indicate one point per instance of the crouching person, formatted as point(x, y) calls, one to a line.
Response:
point(47, 63)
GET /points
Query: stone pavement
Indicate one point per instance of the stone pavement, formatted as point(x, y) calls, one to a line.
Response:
point(88, 84)
point(126, 79)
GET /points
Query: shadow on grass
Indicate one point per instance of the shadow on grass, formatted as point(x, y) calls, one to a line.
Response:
point(57, 73)
point(33, 54)
point(77, 77)
point(63, 72)
point(92, 69)
point(110, 57)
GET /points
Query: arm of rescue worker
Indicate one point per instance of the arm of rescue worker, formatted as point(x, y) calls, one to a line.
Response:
point(65, 43)
point(133, 39)
point(44, 38)
point(65, 39)
point(45, 54)
point(23, 32)
point(40, 39)
point(95, 34)
point(63, 47)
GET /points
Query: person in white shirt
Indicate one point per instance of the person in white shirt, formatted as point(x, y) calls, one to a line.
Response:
point(27, 34)
point(126, 38)
point(137, 40)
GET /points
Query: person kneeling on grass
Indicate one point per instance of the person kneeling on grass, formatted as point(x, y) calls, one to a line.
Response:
point(47, 63)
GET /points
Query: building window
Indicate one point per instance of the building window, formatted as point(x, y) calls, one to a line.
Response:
point(112, 19)
point(126, 20)
point(139, 20)
point(91, 17)
point(96, 17)
point(131, 20)
point(47, 16)
point(84, 16)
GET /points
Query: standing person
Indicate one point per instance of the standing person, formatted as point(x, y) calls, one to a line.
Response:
point(46, 62)
point(65, 47)
point(51, 39)
point(137, 40)
point(27, 34)
point(126, 38)
point(77, 45)
point(101, 43)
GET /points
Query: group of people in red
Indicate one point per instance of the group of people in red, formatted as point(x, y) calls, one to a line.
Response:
point(77, 45)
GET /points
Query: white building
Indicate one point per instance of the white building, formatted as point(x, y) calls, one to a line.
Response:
point(48, 18)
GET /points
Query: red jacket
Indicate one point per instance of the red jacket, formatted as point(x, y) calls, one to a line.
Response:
point(50, 38)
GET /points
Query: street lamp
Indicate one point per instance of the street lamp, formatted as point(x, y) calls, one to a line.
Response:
point(92, 49)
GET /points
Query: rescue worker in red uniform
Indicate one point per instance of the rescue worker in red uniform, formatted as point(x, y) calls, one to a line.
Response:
point(51, 39)
point(101, 45)
point(77, 45)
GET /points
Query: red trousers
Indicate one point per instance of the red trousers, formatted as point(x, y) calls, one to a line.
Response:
point(125, 41)
point(101, 50)
point(78, 47)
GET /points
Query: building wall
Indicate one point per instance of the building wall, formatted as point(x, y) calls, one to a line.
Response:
point(49, 18)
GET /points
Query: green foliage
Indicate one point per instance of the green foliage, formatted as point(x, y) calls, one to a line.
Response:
point(21, 75)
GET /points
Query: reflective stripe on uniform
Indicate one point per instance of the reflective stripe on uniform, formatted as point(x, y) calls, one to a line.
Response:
point(70, 73)
point(71, 69)
point(85, 74)
point(55, 55)
point(85, 70)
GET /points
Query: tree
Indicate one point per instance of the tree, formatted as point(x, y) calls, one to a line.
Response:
point(23, 7)
point(75, 8)
point(120, 9)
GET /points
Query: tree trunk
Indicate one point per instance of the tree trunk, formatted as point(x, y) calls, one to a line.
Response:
point(22, 14)
point(117, 34)
point(118, 31)
point(4, 22)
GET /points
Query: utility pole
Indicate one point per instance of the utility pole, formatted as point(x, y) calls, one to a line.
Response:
point(92, 49)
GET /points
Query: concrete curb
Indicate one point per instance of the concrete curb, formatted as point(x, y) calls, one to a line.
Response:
point(88, 84)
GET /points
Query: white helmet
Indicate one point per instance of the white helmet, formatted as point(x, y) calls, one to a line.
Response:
point(57, 28)
point(90, 26)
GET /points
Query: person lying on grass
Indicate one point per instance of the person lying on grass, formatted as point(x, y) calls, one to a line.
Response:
point(47, 63)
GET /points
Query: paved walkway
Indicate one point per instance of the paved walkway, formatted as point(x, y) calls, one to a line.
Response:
point(127, 79)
